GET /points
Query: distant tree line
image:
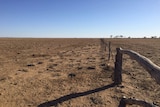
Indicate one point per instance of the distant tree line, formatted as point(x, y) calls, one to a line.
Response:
point(121, 36)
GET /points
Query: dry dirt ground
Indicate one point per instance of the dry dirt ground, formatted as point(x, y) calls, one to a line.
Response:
point(73, 73)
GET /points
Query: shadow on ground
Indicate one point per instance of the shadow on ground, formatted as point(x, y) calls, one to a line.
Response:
point(74, 95)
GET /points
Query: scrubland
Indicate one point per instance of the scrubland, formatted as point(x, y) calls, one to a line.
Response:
point(73, 73)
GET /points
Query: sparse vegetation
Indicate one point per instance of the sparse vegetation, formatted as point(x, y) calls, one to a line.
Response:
point(80, 75)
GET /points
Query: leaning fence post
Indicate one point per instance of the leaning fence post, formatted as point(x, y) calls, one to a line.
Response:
point(118, 67)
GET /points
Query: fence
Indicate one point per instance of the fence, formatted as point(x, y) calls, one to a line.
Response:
point(104, 45)
point(125, 101)
point(152, 69)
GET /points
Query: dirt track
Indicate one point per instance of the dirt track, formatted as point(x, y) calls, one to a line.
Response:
point(73, 73)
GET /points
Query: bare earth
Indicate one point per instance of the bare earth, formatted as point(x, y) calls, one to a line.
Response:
point(73, 73)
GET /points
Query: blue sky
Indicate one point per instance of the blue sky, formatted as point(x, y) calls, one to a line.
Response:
point(79, 18)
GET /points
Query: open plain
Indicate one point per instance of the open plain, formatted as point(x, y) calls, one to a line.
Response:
point(73, 73)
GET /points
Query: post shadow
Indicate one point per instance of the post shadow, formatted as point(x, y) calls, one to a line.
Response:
point(74, 95)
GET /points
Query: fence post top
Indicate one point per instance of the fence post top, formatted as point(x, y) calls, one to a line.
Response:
point(119, 49)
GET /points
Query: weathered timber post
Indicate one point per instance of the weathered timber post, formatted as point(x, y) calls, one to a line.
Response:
point(118, 67)
point(129, 101)
point(152, 68)
point(109, 48)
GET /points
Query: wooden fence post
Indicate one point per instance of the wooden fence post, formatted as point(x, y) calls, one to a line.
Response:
point(118, 67)
point(109, 48)
point(128, 101)
point(152, 68)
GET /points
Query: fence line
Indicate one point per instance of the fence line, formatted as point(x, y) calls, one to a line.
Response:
point(105, 45)
point(152, 69)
